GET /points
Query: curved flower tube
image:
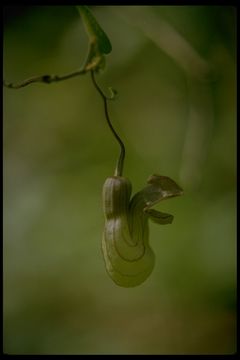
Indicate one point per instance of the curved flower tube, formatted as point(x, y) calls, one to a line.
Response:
point(128, 256)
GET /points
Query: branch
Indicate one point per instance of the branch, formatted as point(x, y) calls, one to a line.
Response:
point(99, 44)
point(48, 79)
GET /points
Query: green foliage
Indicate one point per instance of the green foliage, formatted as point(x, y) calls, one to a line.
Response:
point(99, 42)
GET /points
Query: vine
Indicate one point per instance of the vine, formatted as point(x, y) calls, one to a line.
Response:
point(128, 256)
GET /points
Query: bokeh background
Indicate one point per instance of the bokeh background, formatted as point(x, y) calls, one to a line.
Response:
point(174, 68)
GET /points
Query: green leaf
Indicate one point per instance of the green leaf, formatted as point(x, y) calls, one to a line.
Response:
point(98, 40)
point(95, 32)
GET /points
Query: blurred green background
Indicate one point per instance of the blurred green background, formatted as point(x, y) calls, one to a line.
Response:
point(175, 72)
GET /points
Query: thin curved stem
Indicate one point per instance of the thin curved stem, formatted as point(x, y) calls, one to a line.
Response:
point(119, 167)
